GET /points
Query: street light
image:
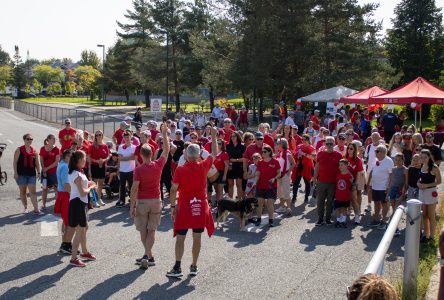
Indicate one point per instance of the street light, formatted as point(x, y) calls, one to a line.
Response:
point(103, 71)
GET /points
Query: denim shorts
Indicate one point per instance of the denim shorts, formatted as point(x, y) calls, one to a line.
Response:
point(51, 180)
point(394, 193)
point(26, 180)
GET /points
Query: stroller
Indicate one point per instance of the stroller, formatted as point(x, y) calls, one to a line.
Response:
point(3, 175)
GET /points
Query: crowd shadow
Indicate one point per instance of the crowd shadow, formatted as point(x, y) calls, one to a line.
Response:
point(112, 285)
point(167, 291)
point(35, 287)
point(111, 214)
point(30, 267)
point(325, 236)
point(373, 238)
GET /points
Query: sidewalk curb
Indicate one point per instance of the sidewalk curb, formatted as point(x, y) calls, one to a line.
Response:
point(432, 291)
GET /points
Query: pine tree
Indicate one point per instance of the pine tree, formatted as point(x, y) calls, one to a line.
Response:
point(19, 73)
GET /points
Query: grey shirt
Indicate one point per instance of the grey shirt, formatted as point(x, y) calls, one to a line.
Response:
point(398, 177)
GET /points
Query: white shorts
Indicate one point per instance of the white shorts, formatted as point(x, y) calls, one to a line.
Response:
point(283, 189)
point(428, 196)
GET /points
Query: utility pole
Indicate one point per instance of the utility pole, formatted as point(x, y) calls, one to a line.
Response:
point(103, 71)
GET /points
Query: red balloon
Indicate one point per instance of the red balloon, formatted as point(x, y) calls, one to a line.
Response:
point(336, 104)
point(418, 107)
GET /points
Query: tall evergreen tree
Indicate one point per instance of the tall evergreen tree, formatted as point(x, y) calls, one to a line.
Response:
point(415, 45)
point(4, 57)
point(19, 73)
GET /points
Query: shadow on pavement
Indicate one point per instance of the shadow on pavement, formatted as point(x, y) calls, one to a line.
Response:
point(39, 285)
point(373, 238)
point(112, 285)
point(111, 214)
point(325, 235)
point(166, 291)
point(31, 267)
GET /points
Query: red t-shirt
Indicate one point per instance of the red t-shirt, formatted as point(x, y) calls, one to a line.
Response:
point(252, 149)
point(99, 152)
point(219, 161)
point(49, 158)
point(319, 144)
point(355, 166)
point(192, 179)
point(227, 135)
point(153, 145)
point(316, 122)
point(269, 141)
point(66, 137)
point(328, 166)
point(267, 170)
point(154, 133)
point(148, 176)
point(119, 136)
point(207, 147)
point(343, 186)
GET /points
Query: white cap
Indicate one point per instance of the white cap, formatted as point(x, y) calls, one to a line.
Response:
point(128, 118)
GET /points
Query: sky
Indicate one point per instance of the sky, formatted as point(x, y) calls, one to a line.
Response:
point(63, 28)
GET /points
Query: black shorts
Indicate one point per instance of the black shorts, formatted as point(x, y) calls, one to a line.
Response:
point(237, 172)
point(77, 213)
point(210, 186)
point(97, 172)
point(220, 178)
point(184, 231)
point(339, 204)
point(266, 194)
point(379, 196)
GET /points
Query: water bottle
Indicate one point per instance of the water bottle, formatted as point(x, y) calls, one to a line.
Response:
point(44, 182)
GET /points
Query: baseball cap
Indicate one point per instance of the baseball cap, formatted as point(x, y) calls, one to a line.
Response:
point(198, 128)
point(67, 121)
point(317, 111)
point(138, 126)
point(148, 132)
point(259, 135)
point(123, 123)
point(178, 131)
point(128, 118)
point(294, 126)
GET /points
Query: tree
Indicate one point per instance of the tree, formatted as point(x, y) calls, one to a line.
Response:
point(46, 74)
point(2, 86)
point(415, 45)
point(54, 89)
point(27, 89)
point(19, 72)
point(70, 87)
point(90, 58)
point(6, 73)
point(4, 57)
point(87, 79)
point(37, 86)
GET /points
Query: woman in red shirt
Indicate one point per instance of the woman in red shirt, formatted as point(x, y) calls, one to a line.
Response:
point(356, 169)
point(304, 157)
point(267, 173)
point(221, 162)
point(243, 119)
point(143, 140)
point(98, 156)
point(286, 133)
point(49, 159)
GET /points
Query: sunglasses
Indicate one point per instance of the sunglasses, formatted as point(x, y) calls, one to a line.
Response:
point(29, 139)
point(265, 151)
point(342, 139)
point(67, 123)
point(349, 134)
point(418, 149)
point(377, 151)
point(99, 134)
point(350, 149)
point(329, 144)
point(259, 139)
point(227, 122)
point(126, 135)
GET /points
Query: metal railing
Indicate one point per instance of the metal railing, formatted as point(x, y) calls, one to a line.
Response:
point(80, 119)
point(6, 103)
point(411, 254)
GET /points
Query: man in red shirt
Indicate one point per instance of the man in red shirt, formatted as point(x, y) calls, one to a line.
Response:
point(316, 121)
point(324, 179)
point(118, 135)
point(227, 129)
point(255, 147)
point(146, 206)
point(152, 126)
point(263, 128)
point(67, 135)
point(193, 211)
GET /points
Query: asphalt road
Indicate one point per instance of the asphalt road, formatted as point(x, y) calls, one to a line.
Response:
point(293, 260)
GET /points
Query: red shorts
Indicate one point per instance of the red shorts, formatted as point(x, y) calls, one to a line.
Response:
point(61, 206)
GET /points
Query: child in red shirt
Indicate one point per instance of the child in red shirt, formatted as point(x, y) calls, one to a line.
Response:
point(344, 182)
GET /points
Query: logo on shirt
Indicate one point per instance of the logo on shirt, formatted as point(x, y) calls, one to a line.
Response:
point(342, 185)
point(195, 200)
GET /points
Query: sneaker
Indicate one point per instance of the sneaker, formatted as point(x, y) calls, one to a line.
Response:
point(176, 273)
point(144, 263)
point(96, 205)
point(357, 220)
point(320, 222)
point(252, 220)
point(270, 223)
point(368, 209)
point(258, 222)
point(139, 260)
point(87, 256)
point(151, 262)
point(120, 204)
point(37, 213)
point(305, 199)
point(100, 202)
point(77, 263)
point(65, 249)
point(397, 232)
point(374, 223)
point(382, 225)
point(328, 222)
point(338, 224)
point(25, 211)
point(43, 208)
point(193, 270)
point(288, 212)
point(281, 210)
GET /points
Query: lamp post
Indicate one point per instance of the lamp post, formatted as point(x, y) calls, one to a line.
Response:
point(103, 71)
point(167, 67)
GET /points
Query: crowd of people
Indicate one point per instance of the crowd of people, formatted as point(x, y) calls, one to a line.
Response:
point(197, 162)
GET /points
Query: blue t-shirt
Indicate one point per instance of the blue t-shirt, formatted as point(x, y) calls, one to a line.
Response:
point(389, 121)
point(62, 176)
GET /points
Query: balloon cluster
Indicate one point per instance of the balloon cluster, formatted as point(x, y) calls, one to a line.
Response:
point(415, 106)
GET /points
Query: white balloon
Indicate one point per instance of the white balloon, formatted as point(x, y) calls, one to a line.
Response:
point(413, 105)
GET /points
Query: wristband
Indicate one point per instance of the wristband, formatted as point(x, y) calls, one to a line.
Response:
point(173, 206)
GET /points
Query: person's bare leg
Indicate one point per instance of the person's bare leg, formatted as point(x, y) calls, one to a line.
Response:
point(33, 196)
point(239, 191)
point(143, 238)
point(231, 188)
point(376, 215)
point(179, 248)
point(354, 202)
point(431, 214)
point(68, 234)
point(75, 242)
point(385, 209)
point(270, 208)
point(260, 204)
point(44, 196)
point(83, 239)
point(22, 189)
point(149, 242)
point(196, 247)
point(99, 187)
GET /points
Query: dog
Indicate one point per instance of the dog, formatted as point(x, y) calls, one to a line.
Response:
point(239, 208)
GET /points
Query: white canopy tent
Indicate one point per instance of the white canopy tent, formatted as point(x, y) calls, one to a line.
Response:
point(329, 95)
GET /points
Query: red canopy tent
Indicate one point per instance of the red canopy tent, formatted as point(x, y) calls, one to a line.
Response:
point(419, 91)
point(363, 96)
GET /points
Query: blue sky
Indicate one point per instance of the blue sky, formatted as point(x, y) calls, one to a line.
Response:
point(63, 28)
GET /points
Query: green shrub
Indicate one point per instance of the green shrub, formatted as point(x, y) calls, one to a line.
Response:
point(437, 112)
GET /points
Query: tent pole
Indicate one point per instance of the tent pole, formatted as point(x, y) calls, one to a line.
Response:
point(415, 119)
point(420, 119)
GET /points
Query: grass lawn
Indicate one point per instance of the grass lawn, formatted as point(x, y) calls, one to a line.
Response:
point(76, 100)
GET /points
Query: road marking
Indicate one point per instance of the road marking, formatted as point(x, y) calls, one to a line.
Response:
point(49, 225)
point(9, 141)
point(34, 123)
point(12, 116)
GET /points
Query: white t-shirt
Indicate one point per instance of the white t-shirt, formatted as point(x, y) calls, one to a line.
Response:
point(381, 174)
point(281, 162)
point(74, 190)
point(128, 165)
point(289, 121)
point(251, 182)
point(371, 156)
